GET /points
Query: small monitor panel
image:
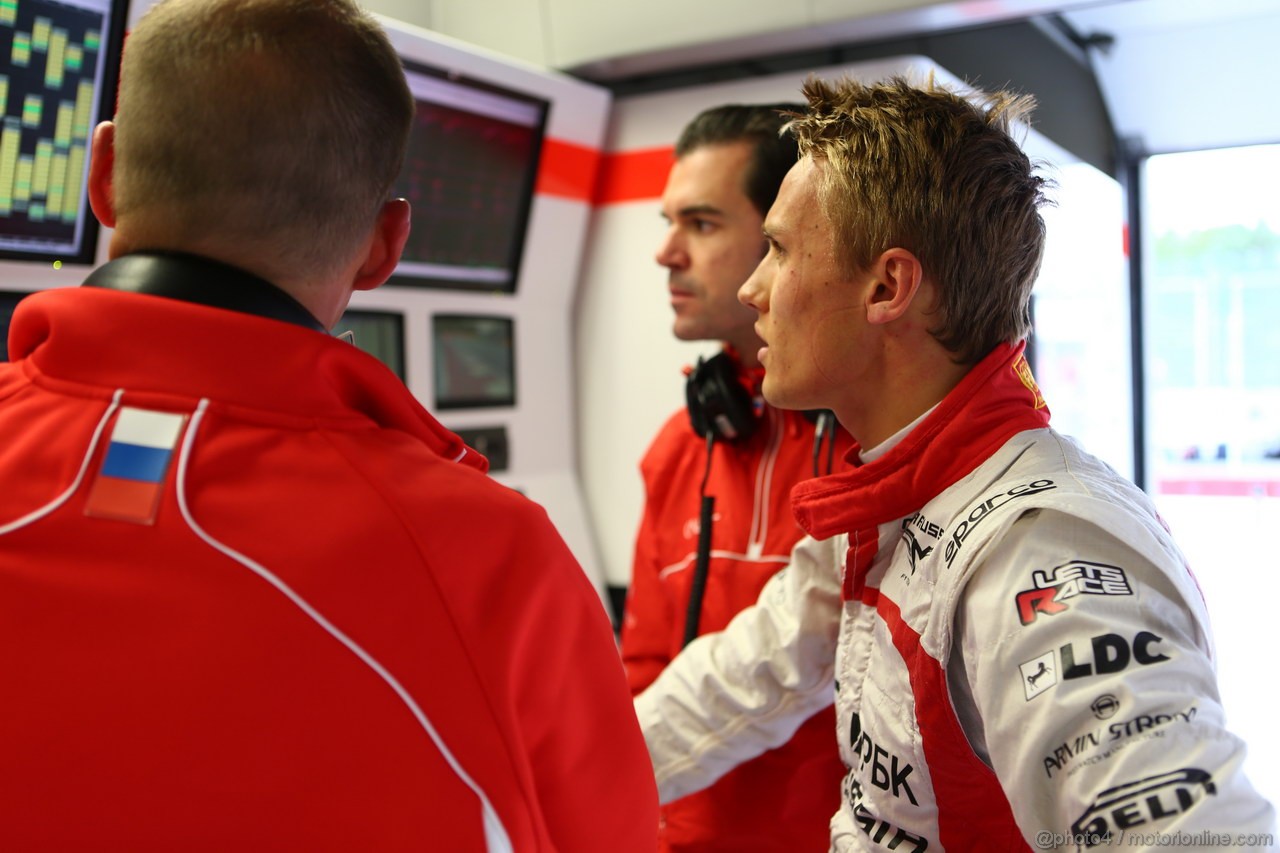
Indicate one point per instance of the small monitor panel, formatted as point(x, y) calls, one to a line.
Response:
point(474, 361)
point(59, 61)
point(379, 333)
point(8, 301)
point(469, 174)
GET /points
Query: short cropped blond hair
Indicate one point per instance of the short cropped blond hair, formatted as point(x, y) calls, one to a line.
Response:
point(927, 170)
point(277, 125)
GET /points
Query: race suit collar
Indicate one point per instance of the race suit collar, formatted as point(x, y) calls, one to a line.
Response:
point(882, 449)
point(997, 399)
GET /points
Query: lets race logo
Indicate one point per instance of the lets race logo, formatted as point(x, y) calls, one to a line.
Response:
point(1054, 588)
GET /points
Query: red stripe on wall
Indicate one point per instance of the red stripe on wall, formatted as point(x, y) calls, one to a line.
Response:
point(576, 172)
point(567, 170)
point(633, 175)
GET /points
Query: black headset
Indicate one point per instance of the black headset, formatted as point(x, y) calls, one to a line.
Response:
point(717, 402)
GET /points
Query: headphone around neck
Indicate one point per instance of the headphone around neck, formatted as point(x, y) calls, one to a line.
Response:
point(717, 401)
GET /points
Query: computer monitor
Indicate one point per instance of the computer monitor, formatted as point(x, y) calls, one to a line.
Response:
point(8, 301)
point(474, 361)
point(379, 333)
point(59, 63)
point(469, 174)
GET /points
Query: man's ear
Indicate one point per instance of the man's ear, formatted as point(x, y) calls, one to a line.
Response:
point(102, 163)
point(897, 274)
point(385, 245)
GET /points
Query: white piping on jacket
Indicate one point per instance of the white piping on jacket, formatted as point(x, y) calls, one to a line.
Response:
point(40, 513)
point(496, 838)
point(764, 483)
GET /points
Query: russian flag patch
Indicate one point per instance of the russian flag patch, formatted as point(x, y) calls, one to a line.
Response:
point(131, 479)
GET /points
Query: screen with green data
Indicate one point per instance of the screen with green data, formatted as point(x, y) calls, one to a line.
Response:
point(58, 69)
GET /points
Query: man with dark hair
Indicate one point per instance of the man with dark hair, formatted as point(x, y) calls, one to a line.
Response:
point(1021, 655)
point(697, 565)
point(252, 595)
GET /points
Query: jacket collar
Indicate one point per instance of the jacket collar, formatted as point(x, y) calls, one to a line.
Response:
point(191, 278)
point(168, 353)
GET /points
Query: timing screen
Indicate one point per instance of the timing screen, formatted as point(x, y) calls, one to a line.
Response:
point(50, 60)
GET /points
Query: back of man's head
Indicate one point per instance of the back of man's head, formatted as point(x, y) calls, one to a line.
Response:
point(760, 125)
point(931, 171)
point(275, 126)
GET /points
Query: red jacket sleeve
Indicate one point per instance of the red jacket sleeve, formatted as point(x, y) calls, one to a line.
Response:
point(594, 780)
point(647, 622)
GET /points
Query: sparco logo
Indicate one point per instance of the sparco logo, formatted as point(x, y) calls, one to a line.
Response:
point(984, 509)
point(1106, 654)
point(1145, 801)
point(1054, 588)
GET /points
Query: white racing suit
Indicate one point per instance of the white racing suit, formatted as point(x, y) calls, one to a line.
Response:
point(1020, 655)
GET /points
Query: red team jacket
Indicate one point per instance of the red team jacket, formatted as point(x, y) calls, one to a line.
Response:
point(782, 801)
point(334, 634)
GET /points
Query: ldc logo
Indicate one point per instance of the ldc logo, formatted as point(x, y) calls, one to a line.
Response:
point(1111, 653)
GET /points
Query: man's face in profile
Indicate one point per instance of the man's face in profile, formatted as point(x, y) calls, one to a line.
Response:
point(712, 245)
point(811, 318)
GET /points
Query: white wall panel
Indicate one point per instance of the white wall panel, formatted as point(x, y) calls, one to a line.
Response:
point(420, 13)
point(516, 28)
point(587, 30)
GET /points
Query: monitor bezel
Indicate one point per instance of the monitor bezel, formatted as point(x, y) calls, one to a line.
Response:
point(399, 318)
point(527, 191)
point(459, 403)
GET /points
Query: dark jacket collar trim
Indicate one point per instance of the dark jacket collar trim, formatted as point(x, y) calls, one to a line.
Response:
point(190, 278)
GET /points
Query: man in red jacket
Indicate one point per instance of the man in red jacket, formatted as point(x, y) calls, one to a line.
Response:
point(252, 595)
point(730, 162)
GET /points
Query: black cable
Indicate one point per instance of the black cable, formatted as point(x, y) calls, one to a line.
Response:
point(832, 426)
point(819, 429)
point(698, 587)
point(825, 429)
